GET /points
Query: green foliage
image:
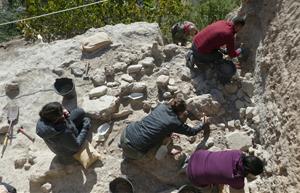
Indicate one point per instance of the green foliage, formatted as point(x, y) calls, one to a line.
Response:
point(71, 23)
point(9, 13)
point(208, 11)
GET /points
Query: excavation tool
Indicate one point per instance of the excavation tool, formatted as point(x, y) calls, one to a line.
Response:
point(134, 96)
point(85, 76)
point(12, 115)
point(21, 130)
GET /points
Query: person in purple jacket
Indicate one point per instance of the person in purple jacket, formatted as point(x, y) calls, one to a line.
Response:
point(222, 167)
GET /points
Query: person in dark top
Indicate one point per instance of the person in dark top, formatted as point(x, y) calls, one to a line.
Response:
point(182, 31)
point(139, 137)
point(6, 188)
point(63, 132)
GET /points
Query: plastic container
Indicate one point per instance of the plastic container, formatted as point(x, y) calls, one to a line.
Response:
point(65, 87)
point(102, 131)
point(121, 185)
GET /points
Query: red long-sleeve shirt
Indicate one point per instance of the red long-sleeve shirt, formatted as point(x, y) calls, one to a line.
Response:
point(216, 35)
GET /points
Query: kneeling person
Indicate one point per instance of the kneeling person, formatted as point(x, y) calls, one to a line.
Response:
point(63, 133)
point(139, 137)
point(223, 167)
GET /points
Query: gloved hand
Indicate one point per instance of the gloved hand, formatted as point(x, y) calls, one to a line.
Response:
point(239, 51)
point(86, 123)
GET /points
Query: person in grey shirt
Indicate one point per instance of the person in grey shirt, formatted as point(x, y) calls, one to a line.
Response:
point(139, 137)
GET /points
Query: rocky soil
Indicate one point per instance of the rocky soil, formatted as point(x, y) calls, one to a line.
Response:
point(255, 113)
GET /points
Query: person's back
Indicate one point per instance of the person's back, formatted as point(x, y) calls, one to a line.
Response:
point(222, 167)
point(153, 128)
point(181, 32)
point(214, 36)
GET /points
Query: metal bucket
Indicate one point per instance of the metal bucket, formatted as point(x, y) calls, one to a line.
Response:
point(188, 189)
point(121, 185)
point(65, 87)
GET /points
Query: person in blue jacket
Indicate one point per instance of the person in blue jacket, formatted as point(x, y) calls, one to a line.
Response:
point(139, 137)
point(63, 132)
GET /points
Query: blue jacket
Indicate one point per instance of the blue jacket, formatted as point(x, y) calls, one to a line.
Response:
point(63, 139)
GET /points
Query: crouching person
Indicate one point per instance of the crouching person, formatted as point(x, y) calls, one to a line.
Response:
point(63, 132)
point(223, 167)
point(182, 31)
point(139, 137)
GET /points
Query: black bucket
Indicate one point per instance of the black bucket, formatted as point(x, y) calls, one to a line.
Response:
point(65, 87)
point(188, 189)
point(121, 185)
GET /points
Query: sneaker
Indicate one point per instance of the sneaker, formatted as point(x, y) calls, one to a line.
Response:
point(190, 59)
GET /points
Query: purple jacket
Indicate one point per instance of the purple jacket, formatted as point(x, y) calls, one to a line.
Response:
point(223, 167)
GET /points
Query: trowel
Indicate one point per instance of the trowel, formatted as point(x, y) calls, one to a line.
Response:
point(134, 96)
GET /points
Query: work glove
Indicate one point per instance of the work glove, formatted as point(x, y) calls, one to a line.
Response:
point(239, 51)
point(86, 123)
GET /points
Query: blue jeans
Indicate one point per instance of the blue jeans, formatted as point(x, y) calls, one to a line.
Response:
point(200, 58)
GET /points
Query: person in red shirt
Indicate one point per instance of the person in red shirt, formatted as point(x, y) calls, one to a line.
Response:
point(206, 45)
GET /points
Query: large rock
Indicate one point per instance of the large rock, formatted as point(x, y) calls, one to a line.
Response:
point(101, 108)
point(98, 92)
point(170, 51)
point(157, 54)
point(147, 62)
point(120, 66)
point(134, 69)
point(185, 74)
point(238, 140)
point(98, 78)
point(162, 81)
point(127, 88)
point(203, 103)
point(251, 112)
point(248, 87)
point(127, 78)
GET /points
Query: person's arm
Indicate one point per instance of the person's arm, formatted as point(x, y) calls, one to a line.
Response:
point(74, 143)
point(187, 130)
point(230, 48)
point(8, 187)
point(237, 183)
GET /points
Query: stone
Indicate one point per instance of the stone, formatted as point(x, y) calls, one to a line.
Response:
point(101, 108)
point(109, 71)
point(172, 89)
point(203, 103)
point(239, 104)
point(256, 119)
point(163, 71)
point(231, 88)
point(122, 114)
point(134, 69)
point(98, 92)
point(238, 140)
point(251, 112)
point(248, 87)
point(222, 125)
point(172, 81)
point(120, 67)
point(248, 76)
point(27, 166)
point(167, 95)
point(162, 81)
point(170, 51)
point(98, 78)
point(127, 78)
point(157, 54)
point(19, 163)
point(46, 188)
point(237, 124)
point(77, 72)
point(147, 62)
point(139, 87)
point(112, 84)
point(58, 71)
point(3, 128)
point(12, 88)
point(185, 74)
point(230, 124)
